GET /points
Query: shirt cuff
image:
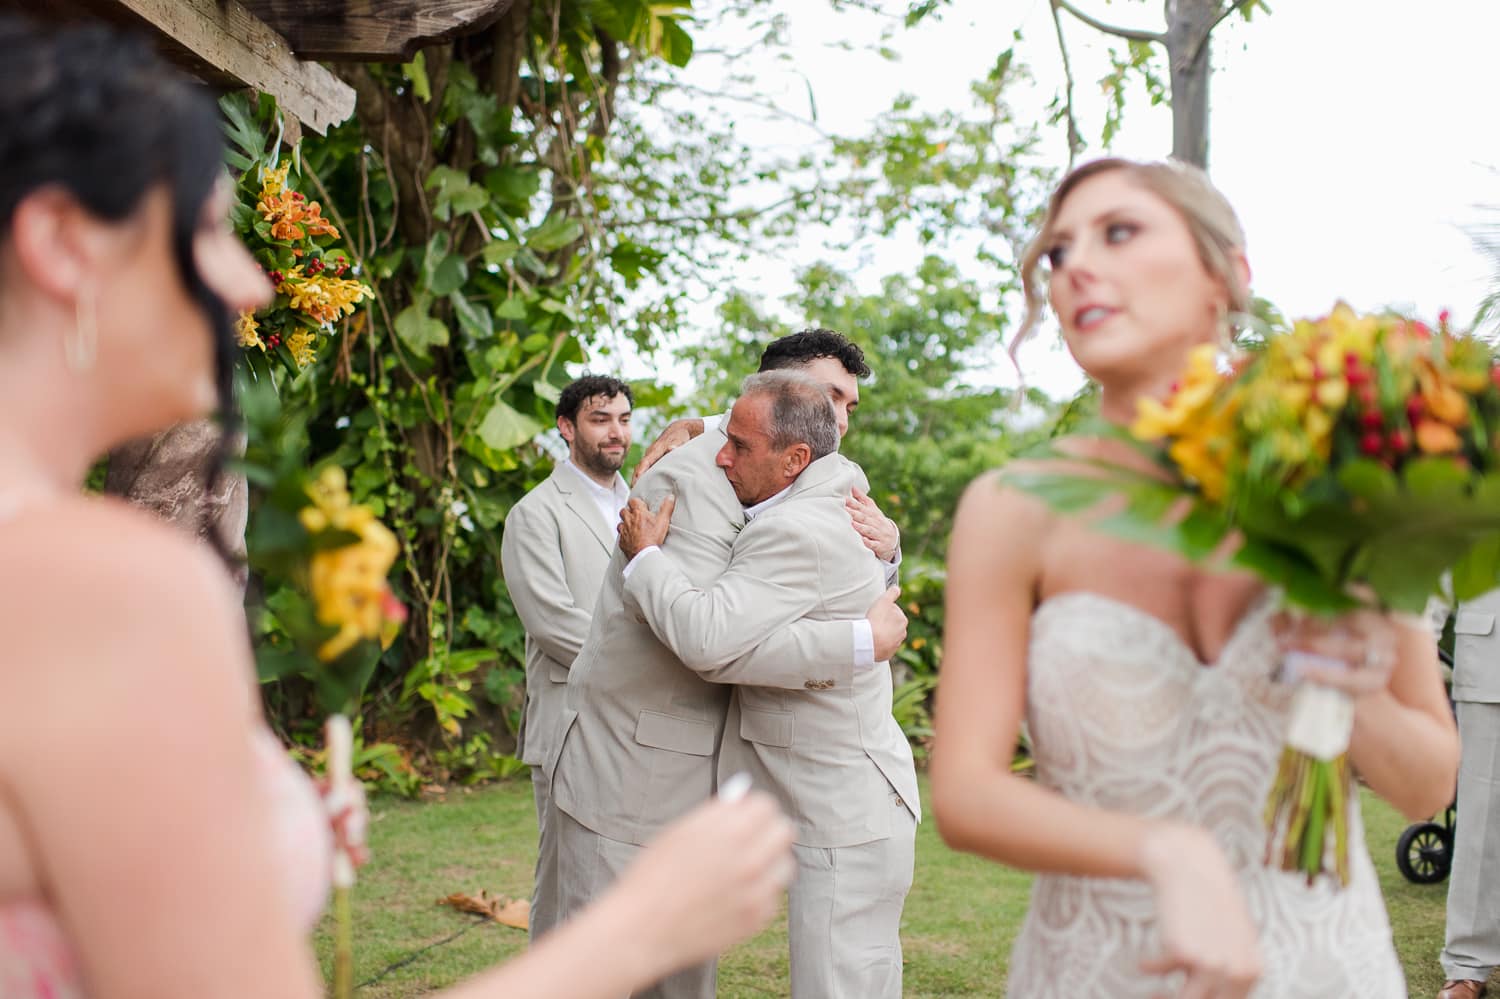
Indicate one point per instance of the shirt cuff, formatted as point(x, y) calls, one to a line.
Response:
point(864, 643)
point(630, 566)
point(895, 559)
point(711, 423)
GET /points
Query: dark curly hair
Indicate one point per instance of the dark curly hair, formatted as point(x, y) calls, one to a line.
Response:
point(96, 112)
point(802, 348)
point(586, 387)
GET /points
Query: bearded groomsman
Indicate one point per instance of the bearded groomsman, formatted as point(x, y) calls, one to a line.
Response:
point(556, 547)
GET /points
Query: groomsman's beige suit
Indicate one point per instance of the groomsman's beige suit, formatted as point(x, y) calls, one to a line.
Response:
point(554, 552)
point(1471, 949)
point(640, 731)
point(831, 751)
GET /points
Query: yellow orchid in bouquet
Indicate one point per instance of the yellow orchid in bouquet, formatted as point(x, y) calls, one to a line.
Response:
point(323, 562)
point(1353, 461)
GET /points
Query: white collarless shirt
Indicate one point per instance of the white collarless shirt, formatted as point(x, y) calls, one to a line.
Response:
point(609, 501)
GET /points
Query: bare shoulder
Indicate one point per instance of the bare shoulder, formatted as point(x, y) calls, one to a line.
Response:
point(97, 584)
point(92, 544)
point(994, 502)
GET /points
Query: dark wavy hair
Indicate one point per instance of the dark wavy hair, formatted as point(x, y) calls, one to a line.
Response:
point(96, 112)
point(797, 349)
point(586, 387)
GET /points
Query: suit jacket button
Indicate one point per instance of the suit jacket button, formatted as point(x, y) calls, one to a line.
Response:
point(899, 802)
point(812, 685)
point(640, 619)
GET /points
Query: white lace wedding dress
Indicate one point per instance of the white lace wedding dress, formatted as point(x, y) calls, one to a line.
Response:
point(1123, 716)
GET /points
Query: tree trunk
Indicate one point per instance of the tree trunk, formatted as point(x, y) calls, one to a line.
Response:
point(164, 474)
point(1189, 24)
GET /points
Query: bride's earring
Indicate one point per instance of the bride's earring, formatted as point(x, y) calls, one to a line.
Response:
point(81, 346)
point(1224, 330)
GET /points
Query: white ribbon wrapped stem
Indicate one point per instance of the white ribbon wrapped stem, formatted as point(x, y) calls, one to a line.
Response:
point(343, 795)
point(1321, 718)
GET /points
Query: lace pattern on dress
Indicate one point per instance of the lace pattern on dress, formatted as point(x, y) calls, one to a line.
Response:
point(1123, 716)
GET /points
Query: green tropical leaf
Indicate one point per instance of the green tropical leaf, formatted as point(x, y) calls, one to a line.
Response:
point(418, 330)
point(554, 234)
point(1478, 571)
point(449, 275)
point(504, 428)
point(476, 321)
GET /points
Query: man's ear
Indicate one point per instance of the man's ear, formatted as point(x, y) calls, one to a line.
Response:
point(798, 457)
point(566, 428)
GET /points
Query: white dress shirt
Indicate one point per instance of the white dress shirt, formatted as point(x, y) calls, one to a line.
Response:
point(610, 501)
point(864, 634)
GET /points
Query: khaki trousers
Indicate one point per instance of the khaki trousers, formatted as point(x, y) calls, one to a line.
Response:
point(588, 864)
point(844, 915)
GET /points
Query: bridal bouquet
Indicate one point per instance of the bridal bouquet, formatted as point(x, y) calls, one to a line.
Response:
point(324, 561)
point(1355, 459)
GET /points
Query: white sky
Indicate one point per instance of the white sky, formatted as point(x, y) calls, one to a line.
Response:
point(1355, 138)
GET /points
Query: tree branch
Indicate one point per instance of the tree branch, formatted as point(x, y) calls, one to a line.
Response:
point(1075, 140)
point(1131, 34)
point(1237, 5)
point(1208, 33)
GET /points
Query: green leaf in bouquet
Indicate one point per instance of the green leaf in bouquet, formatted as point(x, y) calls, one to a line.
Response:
point(331, 538)
point(1367, 479)
point(1440, 479)
point(1202, 531)
point(278, 660)
point(1404, 573)
point(1065, 493)
point(1300, 580)
point(340, 683)
point(1478, 571)
point(275, 531)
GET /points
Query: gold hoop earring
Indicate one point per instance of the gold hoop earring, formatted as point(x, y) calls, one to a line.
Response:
point(81, 347)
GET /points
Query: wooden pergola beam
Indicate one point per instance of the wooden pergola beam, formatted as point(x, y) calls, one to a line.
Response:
point(374, 30)
point(224, 44)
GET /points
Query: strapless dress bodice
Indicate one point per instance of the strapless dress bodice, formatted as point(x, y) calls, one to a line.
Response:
point(1122, 715)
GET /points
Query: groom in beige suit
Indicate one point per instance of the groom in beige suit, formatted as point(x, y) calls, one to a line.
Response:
point(640, 731)
point(555, 548)
point(831, 751)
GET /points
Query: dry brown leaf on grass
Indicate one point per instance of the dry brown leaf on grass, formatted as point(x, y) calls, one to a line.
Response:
point(514, 912)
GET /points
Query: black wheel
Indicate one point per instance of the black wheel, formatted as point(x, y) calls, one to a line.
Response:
point(1424, 853)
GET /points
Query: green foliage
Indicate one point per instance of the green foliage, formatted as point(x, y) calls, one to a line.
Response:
point(486, 211)
point(285, 624)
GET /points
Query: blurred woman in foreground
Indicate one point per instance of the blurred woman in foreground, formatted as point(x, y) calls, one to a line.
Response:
point(144, 814)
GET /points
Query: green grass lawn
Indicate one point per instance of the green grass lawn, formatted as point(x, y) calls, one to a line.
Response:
point(958, 925)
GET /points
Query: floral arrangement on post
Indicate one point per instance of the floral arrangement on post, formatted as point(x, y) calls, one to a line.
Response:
point(1353, 461)
point(297, 247)
point(333, 614)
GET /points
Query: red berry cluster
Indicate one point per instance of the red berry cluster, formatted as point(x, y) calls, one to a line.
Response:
point(314, 266)
point(277, 277)
point(273, 340)
point(1378, 440)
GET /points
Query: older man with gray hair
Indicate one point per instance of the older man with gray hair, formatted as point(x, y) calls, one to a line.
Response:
point(831, 752)
point(643, 723)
